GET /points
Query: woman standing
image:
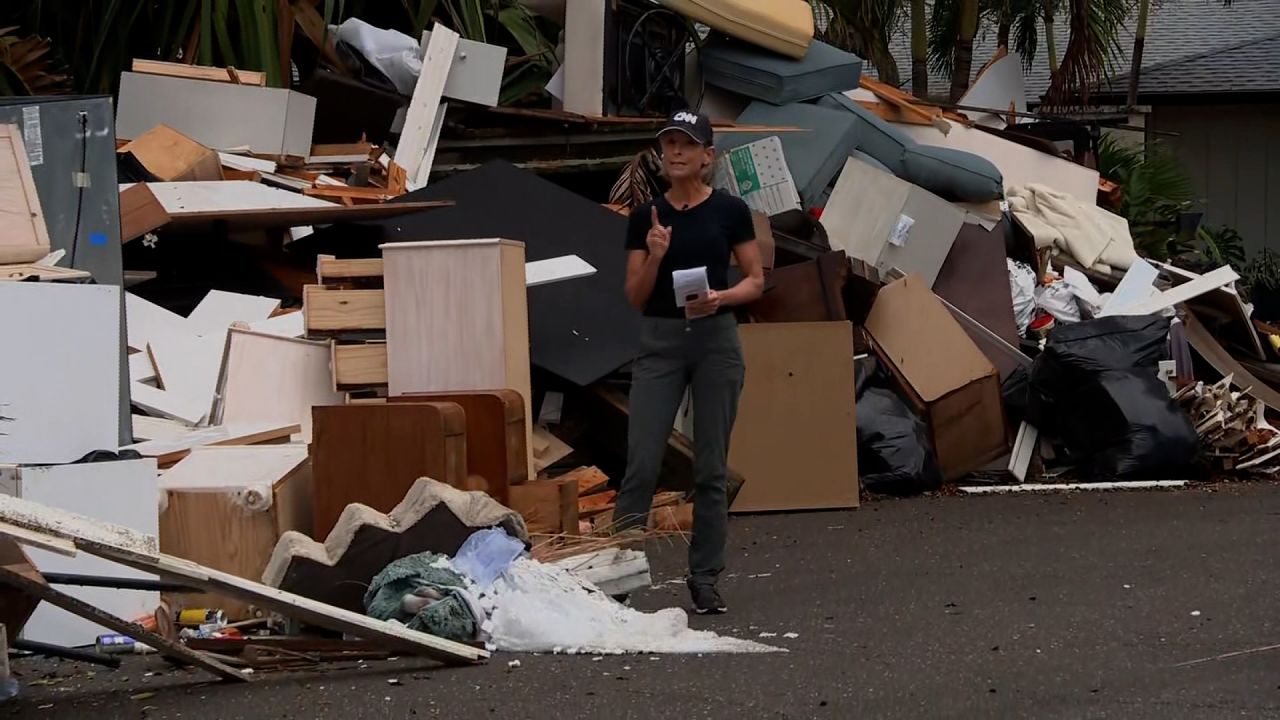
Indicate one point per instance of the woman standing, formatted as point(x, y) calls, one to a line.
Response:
point(696, 345)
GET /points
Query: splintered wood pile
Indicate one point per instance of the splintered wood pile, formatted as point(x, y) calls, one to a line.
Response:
point(1232, 427)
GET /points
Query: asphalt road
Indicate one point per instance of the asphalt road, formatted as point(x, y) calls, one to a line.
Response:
point(940, 607)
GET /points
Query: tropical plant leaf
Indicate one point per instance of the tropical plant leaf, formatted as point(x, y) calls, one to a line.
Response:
point(522, 27)
point(639, 181)
point(1093, 45)
point(26, 67)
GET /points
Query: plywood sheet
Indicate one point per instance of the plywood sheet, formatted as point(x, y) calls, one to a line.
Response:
point(123, 492)
point(270, 379)
point(25, 238)
point(60, 370)
point(171, 449)
point(147, 321)
point(174, 157)
point(234, 467)
point(795, 440)
point(188, 367)
point(584, 56)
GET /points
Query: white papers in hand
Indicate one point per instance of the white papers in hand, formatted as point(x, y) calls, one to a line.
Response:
point(690, 284)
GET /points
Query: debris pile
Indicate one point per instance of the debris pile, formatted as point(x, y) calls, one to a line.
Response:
point(269, 342)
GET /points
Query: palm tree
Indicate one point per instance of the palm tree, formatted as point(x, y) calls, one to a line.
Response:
point(863, 27)
point(919, 50)
point(1093, 44)
point(962, 67)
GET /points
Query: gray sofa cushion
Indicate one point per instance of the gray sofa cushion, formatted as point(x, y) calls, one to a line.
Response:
point(763, 75)
point(952, 174)
point(876, 137)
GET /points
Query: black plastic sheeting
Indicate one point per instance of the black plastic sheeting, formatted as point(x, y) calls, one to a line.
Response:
point(1095, 388)
point(895, 456)
point(580, 330)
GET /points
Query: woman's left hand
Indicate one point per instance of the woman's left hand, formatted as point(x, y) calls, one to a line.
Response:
point(708, 305)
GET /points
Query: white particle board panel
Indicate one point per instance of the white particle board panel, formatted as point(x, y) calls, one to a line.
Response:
point(124, 492)
point(147, 321)
point(246, 163)
point(1019, 164)
point(290, 324)
point(141, 369)
point(222, 116)
point(228, 196)
point(59, 372)
point(272, 379)
point(422, 121)
point(173, 406)
point(475, 74)
point(559, 269)
point(219, 309)
point(584, 56)
point(188, 367)
point(147, 428)
point(222, 468)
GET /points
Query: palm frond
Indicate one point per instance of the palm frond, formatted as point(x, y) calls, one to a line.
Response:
point(639, 181)
point(864, 27)
point(1094, 43)
point(26, 67)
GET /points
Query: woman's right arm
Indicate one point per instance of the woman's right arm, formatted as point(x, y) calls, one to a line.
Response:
point(642, 264)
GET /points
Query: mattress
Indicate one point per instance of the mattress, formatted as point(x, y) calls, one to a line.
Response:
point(815, 153)
point(783, 26)
point(763, 75)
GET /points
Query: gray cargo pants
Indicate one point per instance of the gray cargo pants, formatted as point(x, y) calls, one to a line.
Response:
point(674, 354)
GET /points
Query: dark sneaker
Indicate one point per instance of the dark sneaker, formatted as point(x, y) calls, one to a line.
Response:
point(707, 600)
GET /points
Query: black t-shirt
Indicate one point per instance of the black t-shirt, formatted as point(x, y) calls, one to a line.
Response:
point(705, 234)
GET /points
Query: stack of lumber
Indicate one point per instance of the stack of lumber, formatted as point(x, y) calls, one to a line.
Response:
point(1232, 426)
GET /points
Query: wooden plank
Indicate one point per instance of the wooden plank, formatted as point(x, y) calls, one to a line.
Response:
point(597, 503)
point(140, 212)
point(173, 406)
point(170, 450)
point(16, 607)
point(246, 163)
point(359, 365)
point(388, 447)
point(422, 121)
point(174, 650)
point(60, 379)
point(271, 379)
point(548, 449)
point(150, 428)
point(26, 237)
point(1206, 283)
point(331, 268)
point(331, 310)
point(200, 72)
point(375, 194)
point(587, 479)
point(22, 271)
point(127, 547)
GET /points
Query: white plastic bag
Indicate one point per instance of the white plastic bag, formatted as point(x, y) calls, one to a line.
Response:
point(1022, 284)
point(392, 52)
point(1059, 300)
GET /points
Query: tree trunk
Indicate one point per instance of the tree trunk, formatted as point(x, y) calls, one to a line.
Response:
point(919, 50)
point(1002, 33)
point(1051, 42)
point(1139, 40)
point(962, 68)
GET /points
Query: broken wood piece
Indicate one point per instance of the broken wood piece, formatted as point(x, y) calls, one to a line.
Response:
point(168, 452)
point(22, 271)
point(1207, 347)
point(425, 114)
point(219, 309)
point(17, 606)
point(431, 517)
point(597, 503)
point(75, 606)
point(548, 450)
point(614, 571)
point(558, 269)
point(246, 163)
point(140, 212)
point(273, 379)
point(291, 324)
point(174, 157)
point(367, 194)
point(225, 508)
point(547, 506)
point(200, 72)
point(136, 550)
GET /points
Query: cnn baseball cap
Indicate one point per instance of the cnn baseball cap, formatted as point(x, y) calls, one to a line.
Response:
point(695, 125)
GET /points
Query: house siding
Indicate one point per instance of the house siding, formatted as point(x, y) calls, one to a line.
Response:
point(1233, 155)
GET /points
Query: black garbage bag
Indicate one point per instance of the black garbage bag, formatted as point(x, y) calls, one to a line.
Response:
point(1095, 388)
point(1015, 391)
point(895, 456)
